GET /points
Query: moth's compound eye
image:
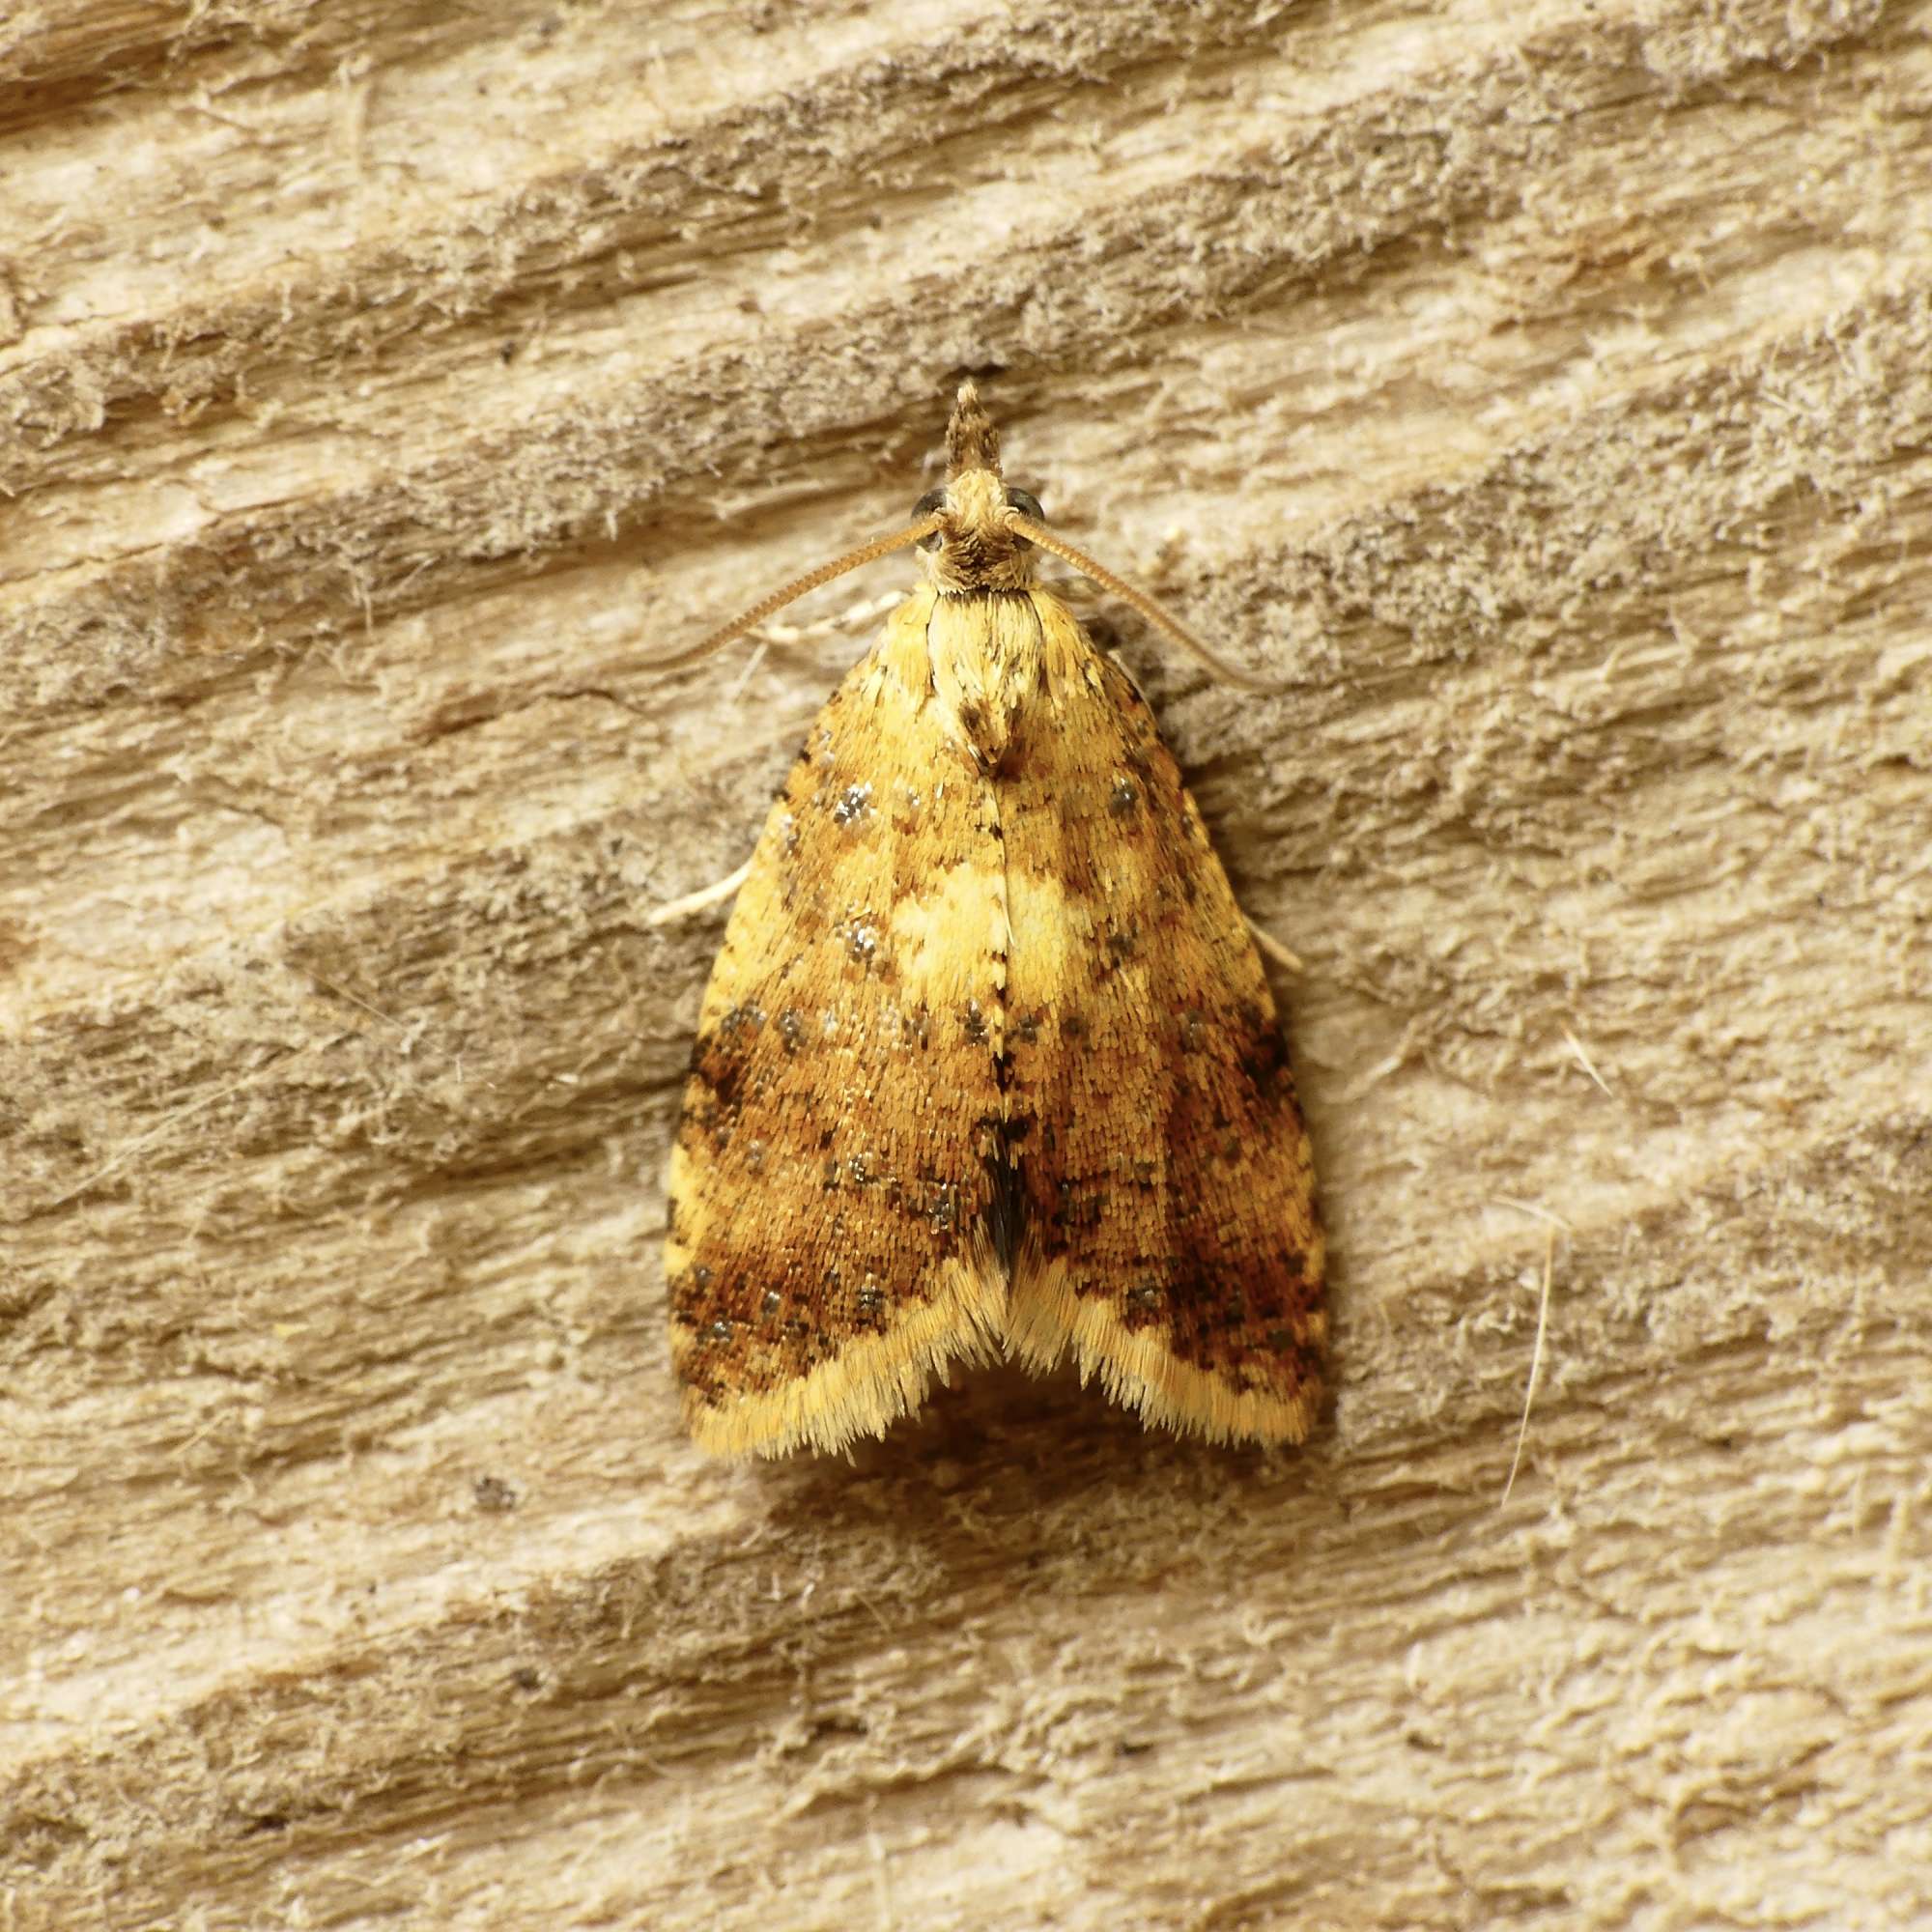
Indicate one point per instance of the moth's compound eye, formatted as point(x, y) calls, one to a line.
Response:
point(1027, 505)
point(932, 500)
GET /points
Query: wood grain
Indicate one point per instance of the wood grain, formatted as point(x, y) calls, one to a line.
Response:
point(1542, 392)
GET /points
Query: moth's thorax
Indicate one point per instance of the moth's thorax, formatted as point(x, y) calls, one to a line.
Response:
point(975, 550)
point(986, 654)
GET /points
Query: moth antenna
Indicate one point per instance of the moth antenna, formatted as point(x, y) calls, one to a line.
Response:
point(1138, 599)
point(747, 619)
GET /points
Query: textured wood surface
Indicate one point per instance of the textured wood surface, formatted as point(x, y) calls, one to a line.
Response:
point(1541, 392)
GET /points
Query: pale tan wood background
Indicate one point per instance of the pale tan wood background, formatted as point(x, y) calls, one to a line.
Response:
point(1541, 390)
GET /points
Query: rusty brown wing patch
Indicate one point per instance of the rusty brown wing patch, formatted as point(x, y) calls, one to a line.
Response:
point(1171, 1241)
point(835, 1170)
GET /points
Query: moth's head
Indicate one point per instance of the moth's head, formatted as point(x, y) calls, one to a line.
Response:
point(975, 547)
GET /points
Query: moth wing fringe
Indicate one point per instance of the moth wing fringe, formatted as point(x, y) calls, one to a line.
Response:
point(871, 1382)
point(1140, 1371)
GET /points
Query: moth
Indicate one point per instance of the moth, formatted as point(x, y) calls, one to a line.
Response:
point(988, 1065)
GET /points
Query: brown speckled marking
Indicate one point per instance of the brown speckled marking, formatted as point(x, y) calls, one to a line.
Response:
point(988, 1061)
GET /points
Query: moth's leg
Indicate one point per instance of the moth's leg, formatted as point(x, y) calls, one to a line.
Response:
point(701, 901)
point(1270, 948)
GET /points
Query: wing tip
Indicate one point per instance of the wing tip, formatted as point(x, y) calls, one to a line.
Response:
point(1139, 1369)
point(868, 1385)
